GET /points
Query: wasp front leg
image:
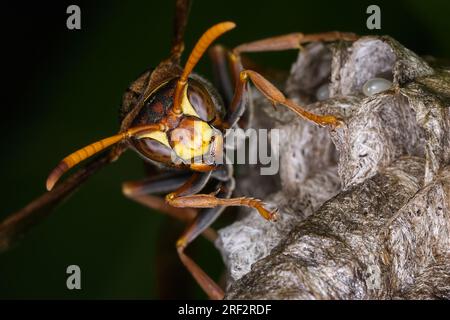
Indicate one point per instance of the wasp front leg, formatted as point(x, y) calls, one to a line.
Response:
point(275, 96)
point(144, 192)
point(280, 43)
point(186, 197)
point(213, 205)
point(212, 201)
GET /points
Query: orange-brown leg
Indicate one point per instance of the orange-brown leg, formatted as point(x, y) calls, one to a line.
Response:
point(204, 219)
point(138, 191)
point(221, 198)
point(198, 225)
point(143, 191)
point(277, 97)
point(292, 41)
point(211, 201)
point(273, 95)
point(280, 43)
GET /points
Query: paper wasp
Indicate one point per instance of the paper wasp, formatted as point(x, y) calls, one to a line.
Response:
point(176, 120)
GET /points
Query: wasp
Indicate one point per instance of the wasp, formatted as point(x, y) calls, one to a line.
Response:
point(176, 121)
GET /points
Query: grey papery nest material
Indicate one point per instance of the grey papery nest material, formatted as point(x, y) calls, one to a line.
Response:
point(364, 209)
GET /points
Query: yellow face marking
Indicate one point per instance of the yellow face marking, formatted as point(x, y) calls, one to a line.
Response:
point(186, 106)
point(193, 141)
point(156, 135)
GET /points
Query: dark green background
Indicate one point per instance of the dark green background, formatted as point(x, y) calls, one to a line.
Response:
point(62, 91)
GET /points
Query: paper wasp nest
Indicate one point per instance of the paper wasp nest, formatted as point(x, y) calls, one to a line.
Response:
point(364, 209)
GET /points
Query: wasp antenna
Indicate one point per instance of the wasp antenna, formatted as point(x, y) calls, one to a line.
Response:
point(203, 43)
point(82, 154)
point(78, 156)
point(200, 47)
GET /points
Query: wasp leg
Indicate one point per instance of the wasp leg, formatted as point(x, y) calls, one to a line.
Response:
point(156, 184)
point(204, 219)
point(225, 81)
point(139, 191)
point(226, 74)
point(280, 43)
point(194, 184)
point(213, 200)
point(142, 191)
point(237, 107)
point(219, 57)
point(223, 173)
point(292, 41)
point(276, 97)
